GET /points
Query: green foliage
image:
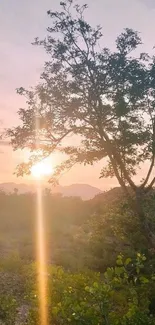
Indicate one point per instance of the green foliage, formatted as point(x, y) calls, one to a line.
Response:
point(8, 310)
point(120, 296)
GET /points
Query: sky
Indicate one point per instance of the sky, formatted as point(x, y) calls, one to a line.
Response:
point(22, 63)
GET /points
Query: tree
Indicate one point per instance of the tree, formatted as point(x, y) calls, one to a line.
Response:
point(105, 99)
point(15, 191)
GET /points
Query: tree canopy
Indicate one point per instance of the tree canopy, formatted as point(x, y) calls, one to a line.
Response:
point(104, 99)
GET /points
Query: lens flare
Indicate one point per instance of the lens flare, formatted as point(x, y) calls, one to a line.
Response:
point(41, 259)
point(37, 171)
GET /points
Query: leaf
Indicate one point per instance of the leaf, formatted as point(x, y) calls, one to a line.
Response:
point(144, 280)
point(119, 270)
point(95, 285)
point(55, 310)
point(128, 261)
point(119, 261)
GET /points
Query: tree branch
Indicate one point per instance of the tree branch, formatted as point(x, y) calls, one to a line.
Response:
point(149, 173)
point(119, 161)
point(149, 188)
point(119, 178)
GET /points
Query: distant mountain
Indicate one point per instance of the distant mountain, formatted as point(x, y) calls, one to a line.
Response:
point(85, 191)
point(22, 188)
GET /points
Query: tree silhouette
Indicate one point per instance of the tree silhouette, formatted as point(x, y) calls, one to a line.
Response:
point(105, 99)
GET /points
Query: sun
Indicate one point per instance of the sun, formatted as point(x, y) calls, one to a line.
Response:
point(41, 169)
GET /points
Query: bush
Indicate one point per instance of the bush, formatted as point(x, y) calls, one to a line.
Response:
point(119, 297)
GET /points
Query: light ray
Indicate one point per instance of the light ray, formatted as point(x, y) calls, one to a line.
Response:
point(41, 251)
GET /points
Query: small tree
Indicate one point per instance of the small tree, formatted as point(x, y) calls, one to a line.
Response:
point(15, 191)
point(105, 99)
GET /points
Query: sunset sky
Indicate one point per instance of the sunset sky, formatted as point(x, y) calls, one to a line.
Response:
point(21, 63)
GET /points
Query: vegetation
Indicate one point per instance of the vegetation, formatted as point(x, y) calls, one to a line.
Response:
point(80, 234)
point(89, 280)
point(121, 295)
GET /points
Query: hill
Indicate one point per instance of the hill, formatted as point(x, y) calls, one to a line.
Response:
point(85, 191)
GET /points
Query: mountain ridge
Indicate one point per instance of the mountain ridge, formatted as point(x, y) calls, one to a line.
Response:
point(85, 191)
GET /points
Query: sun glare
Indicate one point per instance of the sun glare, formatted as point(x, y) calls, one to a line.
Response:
point(41, 169)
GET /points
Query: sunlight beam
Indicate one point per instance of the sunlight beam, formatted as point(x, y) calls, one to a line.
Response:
point(41, 251)
point(41, 257)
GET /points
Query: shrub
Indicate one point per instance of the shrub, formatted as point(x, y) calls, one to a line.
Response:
point(119, 297)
